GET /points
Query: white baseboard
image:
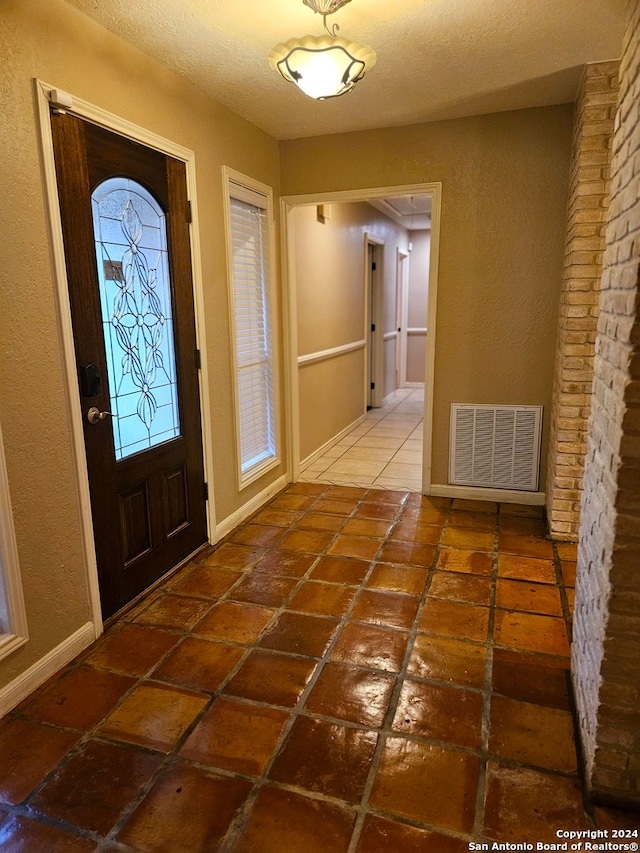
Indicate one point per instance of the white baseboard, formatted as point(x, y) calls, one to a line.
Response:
point(389, 398)
point(18, 689)
point(476, 493)
point(414, 384)
point(237, 517)
point(329, 444)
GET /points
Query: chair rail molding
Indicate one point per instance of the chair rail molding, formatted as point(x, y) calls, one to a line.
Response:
point(334, 352)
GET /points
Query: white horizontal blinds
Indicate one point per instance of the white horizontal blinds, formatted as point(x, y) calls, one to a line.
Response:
point(250, 266)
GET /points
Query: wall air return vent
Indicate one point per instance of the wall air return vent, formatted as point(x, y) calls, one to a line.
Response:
point(495, 447)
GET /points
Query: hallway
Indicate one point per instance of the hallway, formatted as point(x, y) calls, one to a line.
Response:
point(383, 452)
point(349, 670)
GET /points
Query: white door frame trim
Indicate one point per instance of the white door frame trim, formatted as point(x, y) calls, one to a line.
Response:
point(287, 204)
point(96, 115)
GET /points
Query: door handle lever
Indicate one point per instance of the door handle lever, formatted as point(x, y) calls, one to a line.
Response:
point(94, 415)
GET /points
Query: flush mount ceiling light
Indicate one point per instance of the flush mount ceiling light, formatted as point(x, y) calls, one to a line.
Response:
point(323, 66)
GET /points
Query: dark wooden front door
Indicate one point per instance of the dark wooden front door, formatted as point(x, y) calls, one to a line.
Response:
point(126, 236)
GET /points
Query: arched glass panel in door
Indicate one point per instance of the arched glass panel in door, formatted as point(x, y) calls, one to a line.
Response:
point(137, 319)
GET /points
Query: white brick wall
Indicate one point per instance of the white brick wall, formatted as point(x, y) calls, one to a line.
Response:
point(606, 645)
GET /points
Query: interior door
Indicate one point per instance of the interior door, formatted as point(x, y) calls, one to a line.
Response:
point(124, 213)
point(374, 284)
point(401, 320)
point(371, 324)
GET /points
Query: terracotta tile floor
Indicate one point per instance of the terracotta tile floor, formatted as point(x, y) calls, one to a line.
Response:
point(350, 671)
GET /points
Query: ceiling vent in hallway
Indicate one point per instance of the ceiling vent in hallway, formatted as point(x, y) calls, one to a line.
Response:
point(495, 446)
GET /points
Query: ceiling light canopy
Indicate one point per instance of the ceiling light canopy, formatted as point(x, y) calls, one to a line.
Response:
point(323, 66)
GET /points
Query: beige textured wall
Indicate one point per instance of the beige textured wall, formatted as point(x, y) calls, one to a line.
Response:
point(50, 40)
point(504, 183)
point(418, 293)
point(416, 357)
point(331, 395)
point(329, 260)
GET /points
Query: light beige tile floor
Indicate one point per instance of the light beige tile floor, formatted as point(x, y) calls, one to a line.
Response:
point(384, 451)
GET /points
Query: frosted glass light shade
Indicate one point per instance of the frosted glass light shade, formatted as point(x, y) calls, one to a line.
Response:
point(323, 67)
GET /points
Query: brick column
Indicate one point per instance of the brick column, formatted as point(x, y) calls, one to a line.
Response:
point(606, 645)
point(587, 211)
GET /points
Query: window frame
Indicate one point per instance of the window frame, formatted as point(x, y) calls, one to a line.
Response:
point(13, 616)
point(243, 188)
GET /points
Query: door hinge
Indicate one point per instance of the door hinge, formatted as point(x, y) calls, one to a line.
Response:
point(373, 266)
point(373, 385)
point(205, 489)
point(373, 327)
point(60, 101)
point(189, 213)
point(198, 360)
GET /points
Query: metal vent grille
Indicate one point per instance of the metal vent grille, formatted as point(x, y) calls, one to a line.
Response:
point(495, 446)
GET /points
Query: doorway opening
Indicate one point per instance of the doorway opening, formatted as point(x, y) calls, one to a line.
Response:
point(331, 359)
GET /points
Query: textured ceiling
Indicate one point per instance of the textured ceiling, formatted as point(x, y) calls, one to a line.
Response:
point(437, 59)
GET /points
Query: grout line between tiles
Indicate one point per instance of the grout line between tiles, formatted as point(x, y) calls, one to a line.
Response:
point(486, 712)
point(386, 729)
point(172, 757)
point(299, 709)
point(384, 732)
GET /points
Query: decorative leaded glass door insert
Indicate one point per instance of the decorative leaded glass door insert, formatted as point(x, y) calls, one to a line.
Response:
point(135, 300)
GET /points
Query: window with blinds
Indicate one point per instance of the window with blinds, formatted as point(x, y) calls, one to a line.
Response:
point(251, 285)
